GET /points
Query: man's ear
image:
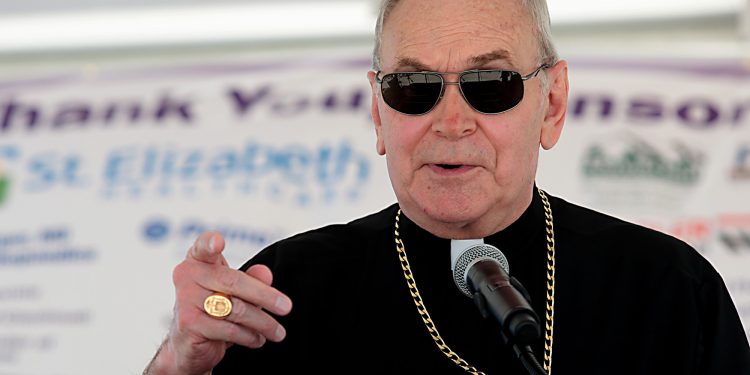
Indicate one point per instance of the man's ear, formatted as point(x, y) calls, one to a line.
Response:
point(380, 144)
point(557, 104)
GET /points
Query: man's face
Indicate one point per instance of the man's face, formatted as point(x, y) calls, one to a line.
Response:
point(456, 172)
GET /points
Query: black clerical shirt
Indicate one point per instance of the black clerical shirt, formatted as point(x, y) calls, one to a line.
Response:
point(628, 300)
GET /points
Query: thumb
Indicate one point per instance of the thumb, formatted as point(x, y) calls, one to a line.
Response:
point(207, 248)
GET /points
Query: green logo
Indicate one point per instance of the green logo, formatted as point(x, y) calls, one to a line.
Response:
point(638, 159)
point(4, 185)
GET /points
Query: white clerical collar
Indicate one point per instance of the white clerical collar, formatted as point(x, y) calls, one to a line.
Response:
point(458, 247)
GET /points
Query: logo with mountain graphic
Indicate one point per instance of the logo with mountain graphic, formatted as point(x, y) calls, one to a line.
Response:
point(635, 158)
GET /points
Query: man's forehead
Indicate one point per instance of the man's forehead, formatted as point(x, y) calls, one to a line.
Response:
point(501, 56)
point(457, 35)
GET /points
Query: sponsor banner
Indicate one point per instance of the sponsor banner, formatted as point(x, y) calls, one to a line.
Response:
point(106, 179)
point(666, 145)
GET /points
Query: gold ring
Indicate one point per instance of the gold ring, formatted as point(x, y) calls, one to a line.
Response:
point(218, 305)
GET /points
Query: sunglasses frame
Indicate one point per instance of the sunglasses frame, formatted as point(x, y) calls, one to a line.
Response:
point(444, 83)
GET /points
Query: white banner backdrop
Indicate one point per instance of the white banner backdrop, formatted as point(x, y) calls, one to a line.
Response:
point(106, 179)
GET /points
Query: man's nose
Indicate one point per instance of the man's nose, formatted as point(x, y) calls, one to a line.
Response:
point(453, 117)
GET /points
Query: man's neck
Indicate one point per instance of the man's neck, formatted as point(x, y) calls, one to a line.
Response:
point(491, 222)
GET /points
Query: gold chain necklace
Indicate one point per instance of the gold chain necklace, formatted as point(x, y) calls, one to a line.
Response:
point(550, 306)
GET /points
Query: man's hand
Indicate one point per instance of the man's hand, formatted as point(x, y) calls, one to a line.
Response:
point(198, 341)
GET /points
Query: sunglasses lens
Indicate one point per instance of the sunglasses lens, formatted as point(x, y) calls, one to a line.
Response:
point(492, 91)
point(411, 93)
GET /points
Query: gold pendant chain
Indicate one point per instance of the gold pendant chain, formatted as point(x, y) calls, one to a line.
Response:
point(550, 306)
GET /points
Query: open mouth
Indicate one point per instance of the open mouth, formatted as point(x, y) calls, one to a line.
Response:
point(449, 166)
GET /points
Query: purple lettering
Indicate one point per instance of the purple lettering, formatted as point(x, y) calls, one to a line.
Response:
point(740, 111)
point(332, 101)
point(77, 114)
point(645, 110)
point(169, 107)
point(11, 110)
point(580, 104)
point(289, 105)
point(244, 101)
point(132, 111)
point(698, 113)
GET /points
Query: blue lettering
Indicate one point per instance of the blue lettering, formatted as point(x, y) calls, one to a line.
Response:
point(120, 168)
point(291, 163)
point(256, 159)
point(193, 228)
point(13, 239)
point(191, 166)
point(286, 172)
point(9, 153)
point(223, 165)
point(54, 234)
point(47, 170)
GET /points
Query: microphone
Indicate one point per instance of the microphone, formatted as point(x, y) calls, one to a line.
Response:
point(481, 272)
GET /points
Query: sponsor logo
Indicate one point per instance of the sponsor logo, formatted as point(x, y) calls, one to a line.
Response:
point(734, 233)
point(691, 112)
point(735, 240)
point(157, 230)
point(696, 231)
point(728, 232)
point(741, 169)
point(7, 153)
point(4, 183)
point(13, 347)
point(627, 174)
point(247, 239)
point(51, 245)
point(635, 158)
point(298, 174)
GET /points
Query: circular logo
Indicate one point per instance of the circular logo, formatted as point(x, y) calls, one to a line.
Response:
point(156, 230)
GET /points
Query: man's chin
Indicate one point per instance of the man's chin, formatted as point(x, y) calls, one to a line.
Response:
point(454, 214)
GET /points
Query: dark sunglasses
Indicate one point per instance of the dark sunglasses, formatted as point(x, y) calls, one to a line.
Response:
point(487, 91)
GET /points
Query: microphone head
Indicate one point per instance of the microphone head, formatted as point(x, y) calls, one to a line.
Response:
point(471, 255)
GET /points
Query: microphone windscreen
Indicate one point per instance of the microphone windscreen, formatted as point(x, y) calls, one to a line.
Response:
point(471, 255)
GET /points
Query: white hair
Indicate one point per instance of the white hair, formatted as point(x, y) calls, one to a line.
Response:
point(537, 10)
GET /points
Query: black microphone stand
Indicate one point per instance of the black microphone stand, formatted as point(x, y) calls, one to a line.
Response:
point(522, 352)
point(528, 360)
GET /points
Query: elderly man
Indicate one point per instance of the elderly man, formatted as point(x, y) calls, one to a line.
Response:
point(463, 95)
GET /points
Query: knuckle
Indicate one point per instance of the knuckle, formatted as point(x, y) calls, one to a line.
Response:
point(228, 279)
point(239, 310)
point(267, 327)
point(236, 334)
point(259, 342)
point(179, 273)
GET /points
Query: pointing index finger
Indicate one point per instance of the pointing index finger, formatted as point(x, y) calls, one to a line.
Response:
point(207, 248)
